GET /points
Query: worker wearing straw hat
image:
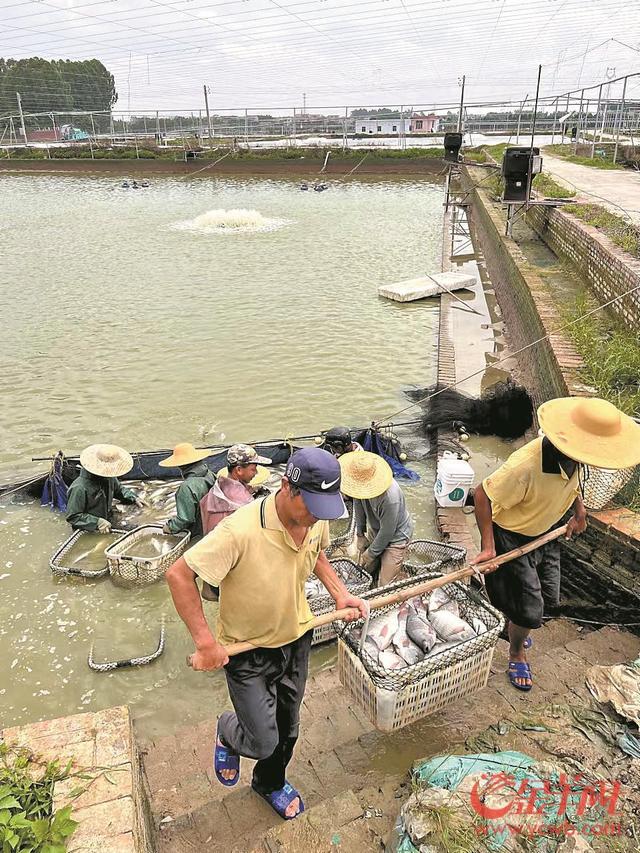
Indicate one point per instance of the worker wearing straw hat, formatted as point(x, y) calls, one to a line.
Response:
point(383, 525)
point(529, 495)
point(90, 498)
point(197, 480)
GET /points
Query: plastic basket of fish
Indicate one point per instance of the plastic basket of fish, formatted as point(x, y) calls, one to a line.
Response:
point(143, 555)
point(424, 555)
point(355, 579)
point(82, 554)
point(345, 532)
point(419, 656)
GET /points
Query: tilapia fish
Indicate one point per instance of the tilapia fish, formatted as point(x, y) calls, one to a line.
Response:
point(390, 660)
point(403, 645)
point(382, 630)
point(313, 586)
point(448, 626)
point(441, 600)
point(420, 631)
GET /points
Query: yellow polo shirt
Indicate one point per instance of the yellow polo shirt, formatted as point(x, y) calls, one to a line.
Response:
point(261, 574)
point(526, 498)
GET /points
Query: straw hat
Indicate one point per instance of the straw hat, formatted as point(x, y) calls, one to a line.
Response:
point(591, 431)
point(261, 477)
point(183, 454)
point(364, 475)
point(106, 460)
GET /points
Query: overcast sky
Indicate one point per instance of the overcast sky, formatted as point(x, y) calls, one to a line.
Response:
point(266, 53)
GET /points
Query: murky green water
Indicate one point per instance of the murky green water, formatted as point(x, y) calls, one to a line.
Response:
point(123, 324)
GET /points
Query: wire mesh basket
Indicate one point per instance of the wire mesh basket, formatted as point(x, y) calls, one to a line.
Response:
point(601, 485)
point(344, 539)
point(62, 562)
point(356, 580)
point(425, 555)
point(395, 698)
point(129, 569)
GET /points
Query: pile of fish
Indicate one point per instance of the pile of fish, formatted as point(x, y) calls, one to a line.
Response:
point(418, 629)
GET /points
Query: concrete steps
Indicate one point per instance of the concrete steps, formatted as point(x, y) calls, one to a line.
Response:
point(346, 769)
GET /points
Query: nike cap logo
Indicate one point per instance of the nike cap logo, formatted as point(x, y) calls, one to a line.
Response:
point(324, 485)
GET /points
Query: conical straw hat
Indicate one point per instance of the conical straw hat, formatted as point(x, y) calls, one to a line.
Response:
point(591, 431)
point(106, 460)
point(183, 454)
point(364, 475)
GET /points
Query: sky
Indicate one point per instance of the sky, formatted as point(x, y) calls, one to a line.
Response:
point(266, 55)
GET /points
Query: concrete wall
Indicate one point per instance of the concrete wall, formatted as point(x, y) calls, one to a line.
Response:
point(606, 268)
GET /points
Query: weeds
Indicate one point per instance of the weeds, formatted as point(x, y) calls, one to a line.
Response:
point(565, 152)
point(621, 232)
point(547, 187)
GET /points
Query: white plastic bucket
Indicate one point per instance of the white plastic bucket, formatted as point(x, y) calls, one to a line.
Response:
point(453, 479)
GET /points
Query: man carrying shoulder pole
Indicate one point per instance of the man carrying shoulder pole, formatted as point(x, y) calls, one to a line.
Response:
point(259, 558)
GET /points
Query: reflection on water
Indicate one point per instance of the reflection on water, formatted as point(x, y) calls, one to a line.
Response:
point(120, 328)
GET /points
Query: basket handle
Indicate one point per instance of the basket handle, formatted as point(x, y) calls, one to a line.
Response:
point(418, 589)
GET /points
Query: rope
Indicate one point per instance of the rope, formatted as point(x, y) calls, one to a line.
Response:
point(517, 352)
point(208, 166)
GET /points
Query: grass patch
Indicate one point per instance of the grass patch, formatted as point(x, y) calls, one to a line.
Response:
point(496, 152)
point(621, 232)
point(565, 152)
point(611, 355)
point(475, 155)
point(547, 187)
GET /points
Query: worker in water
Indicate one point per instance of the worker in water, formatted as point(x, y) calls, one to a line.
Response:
point(197, 480)
point(529, 495)
point(383, 524)
point(90, 498)
point(260, 558)
point(337, 440)
point(235, 486)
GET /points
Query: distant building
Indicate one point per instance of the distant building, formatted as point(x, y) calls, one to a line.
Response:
point(421, 123)
point(383, 126)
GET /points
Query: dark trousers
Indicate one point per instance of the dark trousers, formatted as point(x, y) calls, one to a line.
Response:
point(266, 687)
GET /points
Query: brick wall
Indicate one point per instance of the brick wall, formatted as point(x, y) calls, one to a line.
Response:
point(607, 269)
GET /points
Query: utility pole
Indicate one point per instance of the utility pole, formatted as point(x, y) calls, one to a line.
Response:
point(206, 106)
point(522, 103)
point(158, 135)
point(461, 105)
point(620, 120)
point(24, 132)
point(304, 103)
point(595, 123)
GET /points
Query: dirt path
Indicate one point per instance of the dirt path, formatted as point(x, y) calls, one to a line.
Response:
point(613, 189)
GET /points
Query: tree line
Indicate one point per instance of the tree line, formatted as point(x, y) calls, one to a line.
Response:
point(57, 85)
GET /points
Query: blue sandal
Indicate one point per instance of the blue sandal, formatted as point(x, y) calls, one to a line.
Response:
point(225, 759)
point(520, 669)
point(282, 799)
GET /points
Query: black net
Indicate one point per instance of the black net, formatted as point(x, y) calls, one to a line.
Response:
point(471, 606)
point(354, 578)
point(425, 555)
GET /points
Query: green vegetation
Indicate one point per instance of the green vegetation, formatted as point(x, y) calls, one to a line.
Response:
point(547, 187)
point(27, 820)
point(56, 85)
point(611, 353)
point(599, 162)
point(621, 232)
point(496, 152)
point(475, 155)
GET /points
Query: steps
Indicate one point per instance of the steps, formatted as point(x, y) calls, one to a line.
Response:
point(343, 766)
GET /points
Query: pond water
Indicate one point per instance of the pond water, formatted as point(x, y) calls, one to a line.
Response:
point(136, 317)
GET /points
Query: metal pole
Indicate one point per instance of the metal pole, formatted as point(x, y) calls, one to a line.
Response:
point(206, 106)
point(579, 119)
point(555, 118)
point(400, 126)
point(620, 120)
point(533, 133)
point(55, 129)
point(595, 124)
point(604, 120)
point(522, 103)
point(24, 131)
point(461, 104)
point(566, 112)
point(158, 136)
point(294, 123)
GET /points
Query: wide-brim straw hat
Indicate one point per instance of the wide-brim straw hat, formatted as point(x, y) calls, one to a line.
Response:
point(591, 431)
point(183, 454)
point(106, 460)
point(365, 475)
point(261, 477)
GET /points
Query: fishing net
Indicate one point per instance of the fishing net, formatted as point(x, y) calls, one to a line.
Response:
point(82, 554)
point(128, 562)
point(504, 410)
point(424, 555)
point(471, 606)
point(343, 539)
point(355, 579)
point(602, 487)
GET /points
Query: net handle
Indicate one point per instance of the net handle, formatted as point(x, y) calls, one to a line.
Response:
point(418, 589)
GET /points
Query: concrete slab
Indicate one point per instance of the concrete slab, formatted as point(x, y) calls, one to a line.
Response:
point(426, 286)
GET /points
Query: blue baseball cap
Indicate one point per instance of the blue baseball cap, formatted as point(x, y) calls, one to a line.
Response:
point(316, 473)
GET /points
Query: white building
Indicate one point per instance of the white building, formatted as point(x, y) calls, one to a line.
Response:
point(384, 125)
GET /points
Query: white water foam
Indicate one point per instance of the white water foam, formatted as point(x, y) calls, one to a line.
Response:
point(222, 221)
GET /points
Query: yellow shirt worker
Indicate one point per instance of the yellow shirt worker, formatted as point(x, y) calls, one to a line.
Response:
point(260, 558)
point(530, 494)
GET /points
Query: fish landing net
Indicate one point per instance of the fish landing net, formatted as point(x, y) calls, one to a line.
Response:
point(128, 562)
point(343, 540)
point(425, 555)
point(603, 488)
point(395, 698)
point(357, 582)
point(82, 554)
